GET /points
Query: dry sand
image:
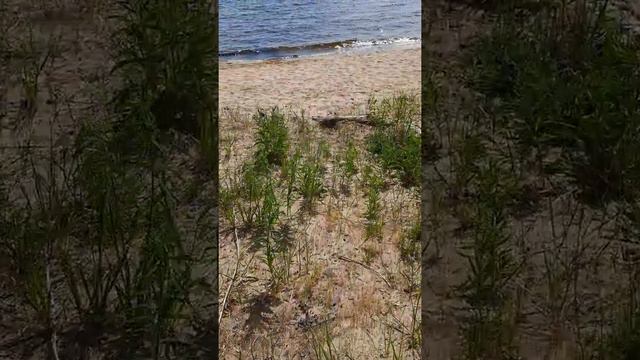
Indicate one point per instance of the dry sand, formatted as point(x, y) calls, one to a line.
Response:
point(319, 84)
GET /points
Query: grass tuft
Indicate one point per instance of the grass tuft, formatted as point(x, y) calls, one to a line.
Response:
point(272, 141)
point(570, 81)
point(395, 141)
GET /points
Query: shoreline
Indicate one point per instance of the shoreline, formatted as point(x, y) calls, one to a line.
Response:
point(320, 84)
point(311, 50)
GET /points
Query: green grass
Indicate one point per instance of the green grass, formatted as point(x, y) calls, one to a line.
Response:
point(246, 193)
point(349, 162)
point(323, 347)
point(570, 85)
point(291, 171)
point(491, 267)
point(311, 177)
point(272, 139)
point(395, 142)
point(557, 86)
point(165, 52)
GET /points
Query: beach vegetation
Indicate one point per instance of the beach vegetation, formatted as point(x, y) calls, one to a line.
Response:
point(95, 238)
point(287, 200)
point(272, 142)
point(536, 176)
point(396, 141)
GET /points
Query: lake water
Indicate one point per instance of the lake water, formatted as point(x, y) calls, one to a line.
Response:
point(284, 29)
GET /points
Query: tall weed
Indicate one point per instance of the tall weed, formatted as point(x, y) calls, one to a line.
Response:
point(395, 142)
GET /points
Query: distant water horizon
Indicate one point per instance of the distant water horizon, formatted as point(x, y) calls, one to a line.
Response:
point(257, 30)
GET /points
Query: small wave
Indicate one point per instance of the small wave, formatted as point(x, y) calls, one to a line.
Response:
point(309, 47)
point(391, 41)
point(288, 52)
point(239, 52)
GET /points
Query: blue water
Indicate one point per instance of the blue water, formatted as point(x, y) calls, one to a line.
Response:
point(277, 29)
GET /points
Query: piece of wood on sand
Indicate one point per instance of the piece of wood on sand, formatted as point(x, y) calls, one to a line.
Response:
point(332, 120)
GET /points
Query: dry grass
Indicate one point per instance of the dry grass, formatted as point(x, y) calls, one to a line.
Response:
point(333, 292)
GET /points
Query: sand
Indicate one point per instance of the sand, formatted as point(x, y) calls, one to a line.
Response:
point(325, 285)
point(319, 84)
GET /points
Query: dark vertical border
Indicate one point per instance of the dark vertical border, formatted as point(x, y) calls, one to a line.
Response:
point(216, 175)
point(423, 204)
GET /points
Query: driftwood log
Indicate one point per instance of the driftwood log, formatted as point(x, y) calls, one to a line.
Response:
point(332, 120)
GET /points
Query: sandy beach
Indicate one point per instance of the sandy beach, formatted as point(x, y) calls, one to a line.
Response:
point(358, 290)
point(320, 84)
